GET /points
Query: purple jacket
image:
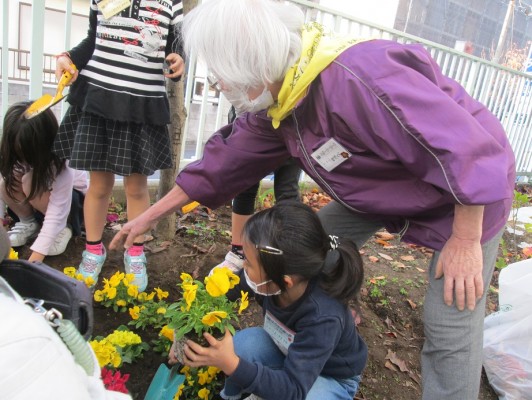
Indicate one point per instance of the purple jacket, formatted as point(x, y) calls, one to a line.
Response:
point(419, 145)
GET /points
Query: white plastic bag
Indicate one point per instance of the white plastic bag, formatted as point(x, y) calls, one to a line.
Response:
point(508, 335)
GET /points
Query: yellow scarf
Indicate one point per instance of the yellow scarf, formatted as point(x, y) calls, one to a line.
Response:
point(319, 48)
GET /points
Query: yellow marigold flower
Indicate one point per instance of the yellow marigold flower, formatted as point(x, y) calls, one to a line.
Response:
point(167, 332)
point(116, 360)
point(121, 303)
point(186, 277)
point(204, 394)
point(217, 284)
point(111, 293)
point(13, 255)
point(69, 271)
point(213, 317)
point(133, 312)
point(98, 296)
point(244, 302)
point(133, 291)
point(105, 353)
point(161, 294)
point(89, 281)
point(161, 310)
point(116, 279)
point(124, 338)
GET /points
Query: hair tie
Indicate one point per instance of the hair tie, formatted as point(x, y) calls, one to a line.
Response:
point(333, 243)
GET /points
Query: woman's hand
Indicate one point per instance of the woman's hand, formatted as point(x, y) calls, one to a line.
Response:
point(131, 230)
point(63, 63)
point(460, 264)
point(175, 64)
point(220, 353)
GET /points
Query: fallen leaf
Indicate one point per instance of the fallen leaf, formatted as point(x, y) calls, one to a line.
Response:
point(407, 258)
point(373, 259)
point(385, 256)
point(384, 235)
point(382, 242)
point(392, 356)
point(420, 269)
point(412, 304)
point(527, 251)
point(391, 334)
point(377, 278)
point(397, 264)
point(390, 366)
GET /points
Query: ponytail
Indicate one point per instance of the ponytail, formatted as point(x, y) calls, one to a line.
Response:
point(343, 271)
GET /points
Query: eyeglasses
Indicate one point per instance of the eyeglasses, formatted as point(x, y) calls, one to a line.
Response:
point(214, 83)
point(269, 250)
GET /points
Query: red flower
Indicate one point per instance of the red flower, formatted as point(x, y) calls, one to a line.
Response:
point(115, 380)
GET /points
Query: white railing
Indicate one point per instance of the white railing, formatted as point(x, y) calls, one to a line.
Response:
point(507, 93)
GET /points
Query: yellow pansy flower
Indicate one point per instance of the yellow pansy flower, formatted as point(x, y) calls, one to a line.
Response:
point(217, 284)
point(244, 302)
point(204, 394)
point(179, 391)
point(115, 280)
point(161, 294)
point(13, 255)
point(186, 277)
point(213, 317)
point(98, 296)
point(89, 281)
point(121, 303)
point(203, 377)
point(161, 310)
point(69, 271)
point(167, 332)
point(134, 312)
point(111, 293)
point(133, 291)
point(189, 294)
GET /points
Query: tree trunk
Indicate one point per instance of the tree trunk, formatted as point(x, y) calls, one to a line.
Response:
point(175, 90)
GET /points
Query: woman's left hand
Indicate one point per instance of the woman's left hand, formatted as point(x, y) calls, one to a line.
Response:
point(460, 264)
point(220, 353)
point(175, 64)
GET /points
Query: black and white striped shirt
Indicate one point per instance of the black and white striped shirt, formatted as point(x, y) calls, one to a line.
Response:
point(121, 61)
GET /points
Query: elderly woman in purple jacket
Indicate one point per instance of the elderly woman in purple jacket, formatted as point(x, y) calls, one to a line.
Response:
point(377, 125)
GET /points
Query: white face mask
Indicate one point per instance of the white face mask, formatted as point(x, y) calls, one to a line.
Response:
point(240, 100)
point(255, 286)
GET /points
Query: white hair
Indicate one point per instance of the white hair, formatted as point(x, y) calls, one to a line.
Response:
point(245, 43)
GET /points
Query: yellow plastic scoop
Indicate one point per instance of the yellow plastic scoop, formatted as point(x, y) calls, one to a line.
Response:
point(46, 101)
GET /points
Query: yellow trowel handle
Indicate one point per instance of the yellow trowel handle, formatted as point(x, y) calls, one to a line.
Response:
point(189, 207)
point(66, 77)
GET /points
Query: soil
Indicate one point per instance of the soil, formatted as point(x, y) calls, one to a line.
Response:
point(390, 307)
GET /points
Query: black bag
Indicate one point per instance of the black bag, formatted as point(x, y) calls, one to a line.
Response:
point(70, 297)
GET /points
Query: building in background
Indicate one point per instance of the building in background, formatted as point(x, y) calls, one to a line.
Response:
point(478, 22)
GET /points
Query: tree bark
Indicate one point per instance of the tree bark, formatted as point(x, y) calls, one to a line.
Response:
point(175, 90)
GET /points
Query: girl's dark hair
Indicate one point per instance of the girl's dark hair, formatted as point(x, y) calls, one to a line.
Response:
point(28, 142)
point(296, 230)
